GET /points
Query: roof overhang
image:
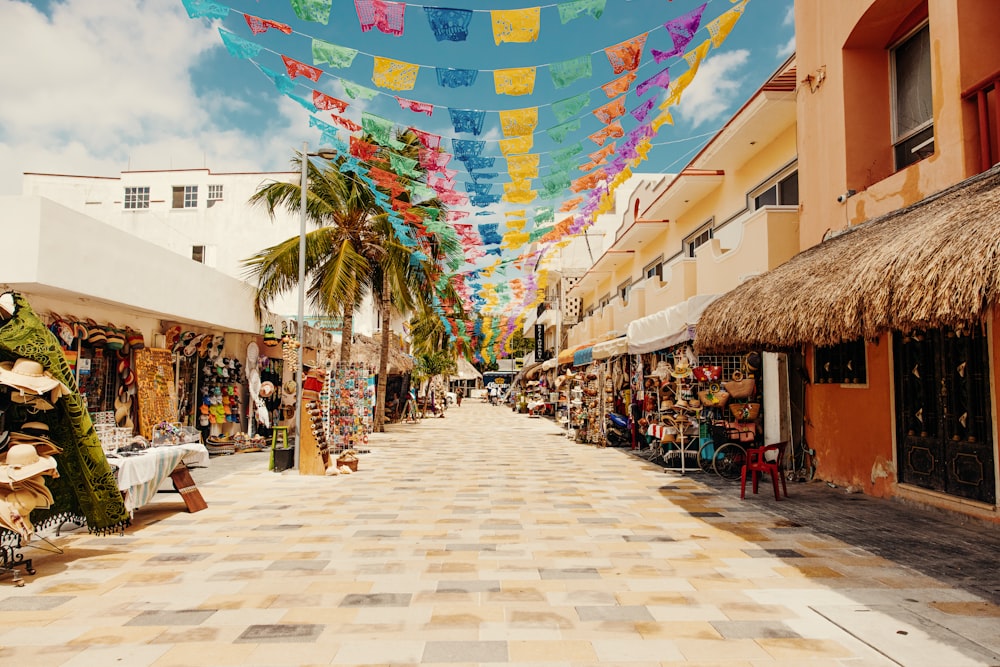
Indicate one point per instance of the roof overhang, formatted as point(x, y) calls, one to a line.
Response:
point(607, 263)
point(930, 265)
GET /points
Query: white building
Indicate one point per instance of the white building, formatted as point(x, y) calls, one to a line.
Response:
point(196, 213)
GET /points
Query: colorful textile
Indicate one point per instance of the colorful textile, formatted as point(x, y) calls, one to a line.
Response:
point(456, 78)
point(720, 28)
point(331, 54)
point(467, 148)
point(567, 71)
point(661, 80)
point(296, 68)
point(380, 129)
point(519, 195)
point(476, 175)
point(488, 233)
point(329, 134)
point(198, 8)
point(345, 123)
point(518, 122)
point(281, 81)
point(574, 9)
point(564, 156)
point(472, 163)
point(553, 184)
point(570, 204)
point(641, 111)
point(544, 215)
point(626, 55)
point(440, 184)
point(516, 81)
point(608, 112)
point(386, 16)
point(588, 181)
point(682, 30)
point(259, 25)
point(571, 106)
point(354, 91)
point(363, 150)
point(559, 132)
point(237, 46)
point(681, 83)
point(520, 144)
point(603, 153)
point(430, 141)
point(523, 166)
point(317, 11)
point(86, 485)
point(467, 120)
point(611, 131)
point(394, 74)
point(539, 233)
point(478, 188)
point(415, 107)
point(482, 201)
point(619, 85)
point(515, 25)
point(514, 240)
point(449, 24)
point(324, 102)
point(404, 166)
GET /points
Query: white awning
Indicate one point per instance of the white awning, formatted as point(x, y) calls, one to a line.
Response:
point(668, 327)
point(611, 348)
point(549, 364)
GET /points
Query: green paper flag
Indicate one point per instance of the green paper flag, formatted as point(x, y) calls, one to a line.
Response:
point(331, 54)
point(569, 107)
point(319, 10)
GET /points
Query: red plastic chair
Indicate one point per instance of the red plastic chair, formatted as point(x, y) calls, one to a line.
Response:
point(757, 463)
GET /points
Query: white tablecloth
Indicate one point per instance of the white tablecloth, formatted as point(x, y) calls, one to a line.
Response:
point(139, 477)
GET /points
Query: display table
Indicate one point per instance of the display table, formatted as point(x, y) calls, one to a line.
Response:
point(140, 476)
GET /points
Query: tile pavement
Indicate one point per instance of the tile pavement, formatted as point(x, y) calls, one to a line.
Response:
point(489, 538)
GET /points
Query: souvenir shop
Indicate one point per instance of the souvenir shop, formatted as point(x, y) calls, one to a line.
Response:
point(336, 418)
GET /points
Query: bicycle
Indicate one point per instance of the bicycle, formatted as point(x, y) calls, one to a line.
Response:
point(728, 458)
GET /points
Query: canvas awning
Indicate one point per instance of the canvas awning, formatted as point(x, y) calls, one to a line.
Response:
point(670, 326)
point(549, 364)
point(566, 356)
point(933, 264)
point(584, 356)
point(611, 348)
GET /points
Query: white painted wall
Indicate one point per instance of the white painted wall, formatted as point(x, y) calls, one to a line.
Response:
point(230, 229)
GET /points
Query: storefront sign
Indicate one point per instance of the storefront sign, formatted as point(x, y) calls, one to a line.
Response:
point(539, 342)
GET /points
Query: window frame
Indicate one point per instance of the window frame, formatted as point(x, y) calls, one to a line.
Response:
point(138, 198)
point(694, 240)
point(774, 183)
point(899, 141)
point(828, 360)
point(654, 268)
point(216, 192)
point(195, 251)
point(187, 195)
point(623, 290)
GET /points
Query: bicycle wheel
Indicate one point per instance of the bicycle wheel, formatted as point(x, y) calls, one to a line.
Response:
point(728, 460)
point(706, 457)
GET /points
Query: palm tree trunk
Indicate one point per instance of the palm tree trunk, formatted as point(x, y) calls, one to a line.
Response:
point(385, 301)
point(347, 331)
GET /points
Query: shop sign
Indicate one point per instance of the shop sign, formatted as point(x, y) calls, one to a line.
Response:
point(539, 342)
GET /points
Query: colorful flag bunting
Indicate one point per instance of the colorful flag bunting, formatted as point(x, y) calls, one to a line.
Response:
point(467, 120)
point(577, 8)
point(682, 30)
point(345, 123)
point(515, 25)
point(520, 144)
point(449, 24)
point(416, 107)
point(611, 110)
point(394, 74)
point(204, 8)
point(317, 11)
point(571, 106)
point(354, 91)
point(456, 78)
point(517, 81)
point(380, 129)
point(296, 68)
point(567, 71)
point(559, 132)
point(518, 122)
point(324, 102)
point(237, 46)
point(331, 54)
point(626, 55)
point(259, 25)
point(661, 80)
point(720, 28)
point(611, 131)
point(523, 166)
point(430, 141)
point(641, 111)
point(619, 85)
point(386, 16)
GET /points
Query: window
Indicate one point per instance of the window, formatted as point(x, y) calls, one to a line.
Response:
point(137, 197)
point(783, 191)
point(623, 291)
point(603, 301)
point(214, 194)
point(654, 269)
point(198, 253)
point(842, 364)
point(912, 112)
point(696, 240)
point(185, 196)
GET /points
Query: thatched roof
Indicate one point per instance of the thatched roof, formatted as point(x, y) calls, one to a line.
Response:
point(935, 263)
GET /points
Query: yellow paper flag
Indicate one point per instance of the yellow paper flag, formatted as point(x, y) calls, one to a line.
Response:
point(515, 25)
point(517, 144)
point(720, 28)
point(519, 122)
point(523, 166)
point(518, 81)
point(394, 74)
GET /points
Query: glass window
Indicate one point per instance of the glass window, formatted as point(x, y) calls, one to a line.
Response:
point(623, 291)
point(198, 253)
point(137, 197)
point(782, 192)
point(185, 196)
point(214, 194)
point(842, 364)
point(696, 241)
point(913, 129)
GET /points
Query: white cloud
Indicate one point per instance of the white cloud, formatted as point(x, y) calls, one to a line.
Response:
point(101, 87)
point(789, 16)
point(715, 88)
point(787, 49)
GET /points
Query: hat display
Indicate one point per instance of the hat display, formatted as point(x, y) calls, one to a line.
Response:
point(33, 401)
point(29, 376)
point(267, 389)
point(682, 368)
point(24, 461)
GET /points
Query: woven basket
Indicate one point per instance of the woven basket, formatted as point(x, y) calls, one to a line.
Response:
point(350, 463)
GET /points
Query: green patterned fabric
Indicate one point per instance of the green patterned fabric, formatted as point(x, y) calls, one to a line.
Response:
point(571, 106)
point(559, 132)
point(421, 192)
point(566, 72)
point(354, 91)
point(574, 9)
point(86, 487)
point(539, 233)
point(319, 10)
point(404, 166)
point(331, 54)
point(564, 156)
point(544, 214)
point(380, 129)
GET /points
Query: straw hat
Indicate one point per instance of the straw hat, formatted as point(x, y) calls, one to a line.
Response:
point(29, 376)
point(23, 461)
point(32, 401)
point(681, 369)
point(267, 389)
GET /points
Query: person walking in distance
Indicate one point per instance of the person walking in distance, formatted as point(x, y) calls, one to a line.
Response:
point(458, 396)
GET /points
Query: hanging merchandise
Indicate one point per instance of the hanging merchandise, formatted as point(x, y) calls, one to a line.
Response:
point(350, 407)
point(156, 396)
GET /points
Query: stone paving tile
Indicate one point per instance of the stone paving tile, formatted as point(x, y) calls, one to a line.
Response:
point(515, 545)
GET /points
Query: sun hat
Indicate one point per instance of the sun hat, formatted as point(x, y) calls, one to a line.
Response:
point(33, 401)
point(28, 375)
point(23, 461)
point(682, 369)
point(267, 389)
point(43, 445)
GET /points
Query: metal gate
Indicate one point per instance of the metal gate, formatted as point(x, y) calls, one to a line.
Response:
point(943, 416)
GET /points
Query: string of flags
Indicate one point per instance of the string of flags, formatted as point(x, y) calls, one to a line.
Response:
point(571, 180)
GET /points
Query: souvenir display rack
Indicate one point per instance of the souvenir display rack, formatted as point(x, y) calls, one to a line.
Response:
point(157, 399)
point(350, 410)
point(593, 403)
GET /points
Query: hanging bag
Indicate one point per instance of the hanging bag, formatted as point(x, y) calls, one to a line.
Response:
point(740, 387)
point(714, 397)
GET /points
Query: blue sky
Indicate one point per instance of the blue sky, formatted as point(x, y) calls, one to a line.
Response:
point(103, 87)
